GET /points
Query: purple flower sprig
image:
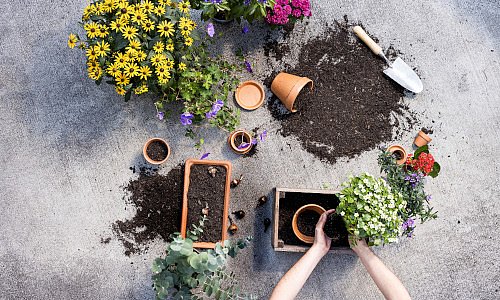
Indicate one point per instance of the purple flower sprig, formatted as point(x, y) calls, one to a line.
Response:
point(160, 115)
point(187, 118)
point(414, 179)
point(216, 107)
point(409, 225)
point(210, 29)
point(205, 155)
point(248, 66)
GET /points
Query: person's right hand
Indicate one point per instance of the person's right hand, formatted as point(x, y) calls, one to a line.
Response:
point(359, 247)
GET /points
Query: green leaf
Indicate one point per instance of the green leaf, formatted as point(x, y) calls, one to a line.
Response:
point(120, 42)
point(423, 149)
point(435, 170)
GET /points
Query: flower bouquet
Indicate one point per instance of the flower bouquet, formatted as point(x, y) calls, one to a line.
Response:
point(285, 11)
point(149, 46)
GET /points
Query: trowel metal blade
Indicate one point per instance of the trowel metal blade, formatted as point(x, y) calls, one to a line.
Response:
point(404, 75)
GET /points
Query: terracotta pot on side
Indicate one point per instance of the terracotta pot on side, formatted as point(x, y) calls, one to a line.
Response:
point(287, 87)
point(237, 134)
point(402, 152)
point(145, 151)
point(422, 139)
point(309, 207)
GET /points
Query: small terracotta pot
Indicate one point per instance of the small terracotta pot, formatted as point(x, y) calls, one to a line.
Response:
point(422, 139)
point(309, 207)
point(145, 151)
point(237, 134)
point(287, 87)
point(402, 152)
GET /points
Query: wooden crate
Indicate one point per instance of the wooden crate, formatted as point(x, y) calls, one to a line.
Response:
point(279, 244)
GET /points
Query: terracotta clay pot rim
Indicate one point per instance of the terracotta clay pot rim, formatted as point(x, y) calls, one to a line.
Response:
point(239, 90)
point(424, 136)
point(300, 85)
point(394, 148)
point(233, 136)
point(308, 207)
point(145, 151)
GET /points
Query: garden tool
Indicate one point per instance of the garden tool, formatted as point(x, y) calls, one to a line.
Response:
point(398, 70)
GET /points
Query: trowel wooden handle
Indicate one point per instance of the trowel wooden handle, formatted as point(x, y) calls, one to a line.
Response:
point(367, 40)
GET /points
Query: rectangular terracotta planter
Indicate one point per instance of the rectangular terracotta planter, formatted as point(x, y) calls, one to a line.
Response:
point(187, 173)
point(278, 243)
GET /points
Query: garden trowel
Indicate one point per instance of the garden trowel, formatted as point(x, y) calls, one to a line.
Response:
point(398, 70)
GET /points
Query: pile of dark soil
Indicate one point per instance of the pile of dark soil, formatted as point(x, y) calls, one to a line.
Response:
point(157, 151)
point(293, 201)
point(158, 202)
point(207, 191)
point(353, 105)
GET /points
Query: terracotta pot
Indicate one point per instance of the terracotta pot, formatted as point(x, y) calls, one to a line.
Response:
point(227, 189)
point(422, 139)
point(250, 95)
point(237, 134)
point(145, 151)
point(402, 153)
point(309, 207)
point(287, 87)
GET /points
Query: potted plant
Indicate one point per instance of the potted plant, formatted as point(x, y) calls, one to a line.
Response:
point(224, 11)
point(156, 151)
point(304, 222)
point(206, 191)
point(422, 138)
point(288, 11)
point(409, 180)
point(399, 153)
point(152, 47)
point(186, 273)
point(371, 209)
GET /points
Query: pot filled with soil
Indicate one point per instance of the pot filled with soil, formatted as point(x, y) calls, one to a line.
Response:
point(304, 222)
point(156, 151)
point(287, 87)
point(399, 153)
point(422, 138)
point(240, 141)
point(206, 192)
point(335, 228)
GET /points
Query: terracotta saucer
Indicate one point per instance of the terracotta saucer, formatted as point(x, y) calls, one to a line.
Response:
point(250, 95)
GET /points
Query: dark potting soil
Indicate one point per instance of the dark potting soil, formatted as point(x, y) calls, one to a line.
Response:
point(353, 106)
point(306, 222)
point(205, 190)
point(336, 230)
point(158, 203)
point(157, 151)
point(292, 202)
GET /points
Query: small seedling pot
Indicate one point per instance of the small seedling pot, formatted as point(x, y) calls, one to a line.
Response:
point(237, 135)
point(422, 139)
point(146, 155)
point(399, 151)
point(309, 207)
point(287, 87)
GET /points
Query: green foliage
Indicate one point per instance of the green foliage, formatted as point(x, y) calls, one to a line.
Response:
point(371, 209)
point(234, 9)
point(186, 273)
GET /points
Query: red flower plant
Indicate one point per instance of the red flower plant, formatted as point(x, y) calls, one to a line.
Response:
point(424, 162)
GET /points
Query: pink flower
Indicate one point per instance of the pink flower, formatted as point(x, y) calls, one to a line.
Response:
point(282, 2)
point(288, 9)
point(278, 9)
point(307, 13)
point(297, 13)
point(296, 3)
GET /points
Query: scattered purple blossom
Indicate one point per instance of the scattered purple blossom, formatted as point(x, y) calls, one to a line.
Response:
point(428, 197)
point(245, 29)
point(205, 155)
point(214, 1)
point(263, 136)
point(215, 109)
point(160, 115)
point(210, 29)
point(254, 141)
point(186, 118)
point(243, 146)
point(248, 66)
point(247, 2)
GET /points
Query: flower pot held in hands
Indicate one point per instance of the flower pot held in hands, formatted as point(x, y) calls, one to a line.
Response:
point(240, 141)
point(287, 87)
point(422, 139)
point(399, 152)
point(306, 208)
point(156, 151)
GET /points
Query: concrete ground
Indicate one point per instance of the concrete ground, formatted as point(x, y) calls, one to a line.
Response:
point(67, 145)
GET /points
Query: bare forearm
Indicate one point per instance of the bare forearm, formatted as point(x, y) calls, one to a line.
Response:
point(390, 286)
point(290, 285)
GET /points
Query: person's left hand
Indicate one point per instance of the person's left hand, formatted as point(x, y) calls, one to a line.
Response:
point(321, 241)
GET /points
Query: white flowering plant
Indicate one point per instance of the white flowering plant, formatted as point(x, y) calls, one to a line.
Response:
point(371, 209)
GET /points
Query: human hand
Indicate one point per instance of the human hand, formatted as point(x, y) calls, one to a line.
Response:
point(321, 241)
point(358, 246)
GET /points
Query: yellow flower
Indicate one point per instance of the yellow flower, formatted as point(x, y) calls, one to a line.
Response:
point(92, 29)
point(164, 79)
point(91, 53)
point(72, 39)
point(148, 25)
point(124, 10)
point(92, 64)
point(131, 53)
point(162, 70)
point(121, 79)
point(141, 89)
point(166, 28)
point(87, 12)
point(117, 25)
point(165, 2)
point(184, 6)
point(158, 59)
point(106, 6)
point(121, 59)
point(170, 47)
point(103, 48)
point(140, 55)
point(139, 17)
point(129, 32)
point(182, 66)
point(147, 6)
point(159, 10)
point(131, 70)
point(145, 72)
point(113, 69)
point(169, 64)
point(134, 44)
point(188, 41)
point(159, 47)
point(95, 73)
point(120, 91)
